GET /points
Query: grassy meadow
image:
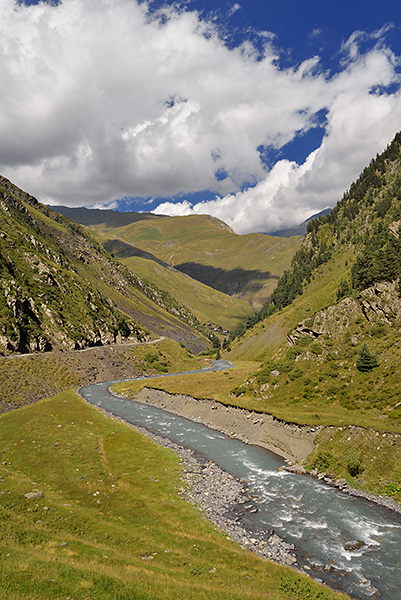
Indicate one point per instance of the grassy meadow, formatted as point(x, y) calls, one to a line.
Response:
point(27, 379)
point(217, 385)
point(111, 524)
point(206, 303)
point(214, 253)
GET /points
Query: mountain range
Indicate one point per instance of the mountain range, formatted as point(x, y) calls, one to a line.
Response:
point(246, 267)
point(314, 337)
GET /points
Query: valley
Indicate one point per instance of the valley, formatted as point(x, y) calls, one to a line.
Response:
point(245, 267)
point(321, 357)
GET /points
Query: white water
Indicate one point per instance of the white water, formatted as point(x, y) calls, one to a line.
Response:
point(316, 518)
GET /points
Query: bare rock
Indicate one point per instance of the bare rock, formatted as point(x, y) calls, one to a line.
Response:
point(34, 495)
point(353, 545)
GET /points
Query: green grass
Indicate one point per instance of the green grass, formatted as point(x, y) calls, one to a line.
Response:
point(208, 242)
point(166, 353)
point(111, 524)
point(364, 457)
point(206, 303)
point(26, 379)
point(216, 385)
point(267, 336)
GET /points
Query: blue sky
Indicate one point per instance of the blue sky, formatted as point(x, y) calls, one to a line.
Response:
point(260, 112)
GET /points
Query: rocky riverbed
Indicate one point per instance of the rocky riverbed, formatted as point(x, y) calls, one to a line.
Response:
point(222, 499)
point(343, 486)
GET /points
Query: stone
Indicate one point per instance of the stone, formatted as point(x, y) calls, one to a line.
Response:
point(353, 545)
point(297, 469)
point(33, 495)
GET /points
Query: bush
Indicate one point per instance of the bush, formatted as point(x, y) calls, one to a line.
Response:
point(316, 348)
point(354, 465)
point(391, 489)
point(344, 290)
point(238, 391)
point(324, 460)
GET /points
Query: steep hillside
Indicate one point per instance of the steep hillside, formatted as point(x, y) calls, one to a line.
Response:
point(203, 247)
point(207, 304)
point(329, 337)
point(302, 228)
point(59, 288)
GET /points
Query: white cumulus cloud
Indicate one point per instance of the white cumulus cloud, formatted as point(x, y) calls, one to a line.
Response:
point(102, 99)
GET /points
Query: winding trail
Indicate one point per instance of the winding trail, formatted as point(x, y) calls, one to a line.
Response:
point(88, 349)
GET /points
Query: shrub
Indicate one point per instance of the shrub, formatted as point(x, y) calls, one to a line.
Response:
point(391, 489)
point(354, 465)
point(316, 348)
point(344, 290)
point(324, 460)
point(238, 391)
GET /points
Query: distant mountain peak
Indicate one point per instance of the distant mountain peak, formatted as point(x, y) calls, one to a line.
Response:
point(301, 228)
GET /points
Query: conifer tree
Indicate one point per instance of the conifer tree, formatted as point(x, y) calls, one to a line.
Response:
point(366, 361)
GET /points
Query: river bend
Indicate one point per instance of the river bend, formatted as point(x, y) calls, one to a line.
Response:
point(318, 519)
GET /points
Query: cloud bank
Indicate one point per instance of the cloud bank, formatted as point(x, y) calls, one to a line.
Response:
point(104, 99)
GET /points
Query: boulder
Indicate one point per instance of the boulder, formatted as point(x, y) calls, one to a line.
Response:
point(353, 545)
point(33, 495)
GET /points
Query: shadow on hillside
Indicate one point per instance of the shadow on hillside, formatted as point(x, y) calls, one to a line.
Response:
point(121, 249)
point(229, 282)
point(95, 216)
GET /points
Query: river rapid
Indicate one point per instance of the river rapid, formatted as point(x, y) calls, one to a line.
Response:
point(316, 518)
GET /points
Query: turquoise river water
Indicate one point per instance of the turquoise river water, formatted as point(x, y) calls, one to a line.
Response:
point(316, 518)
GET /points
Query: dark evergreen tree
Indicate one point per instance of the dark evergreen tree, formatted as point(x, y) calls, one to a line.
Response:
point(366, 361)
point(344, 289)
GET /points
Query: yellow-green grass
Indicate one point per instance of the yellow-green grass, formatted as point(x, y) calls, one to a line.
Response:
point(207, 304)
point(266, 337)
point(207, 241)
point(111, 523)
point(168, 354)
point(375, 457)
point(146, 312)
point(26, 379)
point(134, 302)
point(324, 385)
point(303, 399)
point(215, 385)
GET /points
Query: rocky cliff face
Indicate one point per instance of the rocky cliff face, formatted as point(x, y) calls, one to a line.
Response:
point(60, 289)
point(378, 305)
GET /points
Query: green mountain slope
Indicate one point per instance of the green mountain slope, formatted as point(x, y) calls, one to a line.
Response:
point(243, 266)
point(329, 341)
point(207, 304)
point(59, 288)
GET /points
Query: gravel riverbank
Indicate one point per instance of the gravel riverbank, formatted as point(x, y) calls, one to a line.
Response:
point(289, 440)
point(222, 499)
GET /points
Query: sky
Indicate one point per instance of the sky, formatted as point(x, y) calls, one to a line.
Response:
point(258, 112)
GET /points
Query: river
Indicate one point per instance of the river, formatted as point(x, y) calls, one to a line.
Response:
point(317, 518)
